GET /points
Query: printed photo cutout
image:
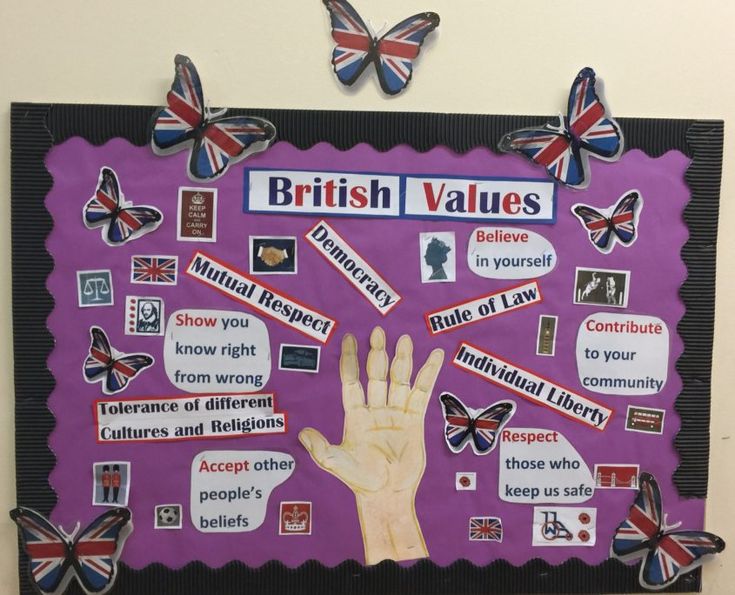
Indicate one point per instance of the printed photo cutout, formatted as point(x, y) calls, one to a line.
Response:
point(273, 255)
point(609, 476)
point(94, 288)
point(564, 148)
point(111, 485)
point(213, 141)
point(486, 528)
point(601, 287)
point(564, 526)
point(392, 54)
point(666, 554)
point(301, 358)
point(295, 518)
point(546, 339)
point(143, 316)
point(168, 516)
point(644, 419)
point(465, 481)
point(114, 370)
point(197, 215)
point(119, 219)
point(438, 257)
point(154, 270)
point(616, 224)
point(478, 427)
point(90, 555)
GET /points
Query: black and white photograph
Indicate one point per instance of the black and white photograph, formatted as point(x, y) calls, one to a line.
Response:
point(438, 257)
point(143, 315)
point(301, 358)
point(273, 255)
point(601, 287)
point(167, 516)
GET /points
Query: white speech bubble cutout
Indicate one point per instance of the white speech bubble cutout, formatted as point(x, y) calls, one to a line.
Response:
point(509, 253)
point(542, 467)
point(230, 488)
point(623, 354)
point(210, 351)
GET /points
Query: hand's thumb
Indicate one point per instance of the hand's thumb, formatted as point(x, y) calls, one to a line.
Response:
point(317, 445)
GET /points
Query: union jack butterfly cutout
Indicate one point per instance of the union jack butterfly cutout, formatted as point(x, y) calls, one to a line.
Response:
point(564, 149)
point(393, 53)
point(618, 223)
point(120, 220)
point(214, 142)
point(105, 364)
point(667, 554)
point(55, 557)
point(477, 427)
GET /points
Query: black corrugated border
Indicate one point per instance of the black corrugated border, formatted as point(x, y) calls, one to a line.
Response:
point(35, 128)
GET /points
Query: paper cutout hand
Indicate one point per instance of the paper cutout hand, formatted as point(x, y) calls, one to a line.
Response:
point(382, 455)
point(272, 256)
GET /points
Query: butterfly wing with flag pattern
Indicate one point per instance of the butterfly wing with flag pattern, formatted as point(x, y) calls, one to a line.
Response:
point(398, 48)
point(48, 551)
point(676, 553)
point(355, 44)
point(588, 121)
point(96, 550)
point(637, 532)
point(457, 418)
point(225, 141)
point(488, 424)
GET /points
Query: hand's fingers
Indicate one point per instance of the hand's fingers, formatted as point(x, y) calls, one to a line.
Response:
point(349, 373)
point(377, 370)
point(337, 461)
point(425, 380)
point(400, 373)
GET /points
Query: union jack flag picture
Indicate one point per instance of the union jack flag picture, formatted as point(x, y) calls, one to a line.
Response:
point(479, 428)
point(214, 142)
point(55, 557)
point(564, 148)
point(486, 528)
point(392, 54)
point(665, 554)
point(154, 270)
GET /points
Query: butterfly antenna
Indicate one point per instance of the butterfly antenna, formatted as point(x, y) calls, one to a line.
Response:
point(378, 31)
point(73, 533)
point(666, 525)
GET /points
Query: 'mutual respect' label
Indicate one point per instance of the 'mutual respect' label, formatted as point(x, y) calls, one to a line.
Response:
point(482, 308)
point(533, 387)
point(249, 291)
point(301, 192)
point(353, 267)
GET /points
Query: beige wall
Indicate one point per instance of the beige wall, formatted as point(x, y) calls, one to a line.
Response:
point(659, 58)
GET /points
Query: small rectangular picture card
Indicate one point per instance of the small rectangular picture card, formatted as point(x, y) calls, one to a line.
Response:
point(645, 419)
point(273, 255)
point(546, 340)
point(143, 315)
point(94, 288)
point(601, 287)
point(197, 215)
point(438, 255)
point(301, 358)
point(111, 483)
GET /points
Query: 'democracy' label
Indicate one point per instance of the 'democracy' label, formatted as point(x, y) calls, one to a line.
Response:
point(531, 386)
point(335, 193)
point(487, 306)
point(251, 292)
point(353, 267)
